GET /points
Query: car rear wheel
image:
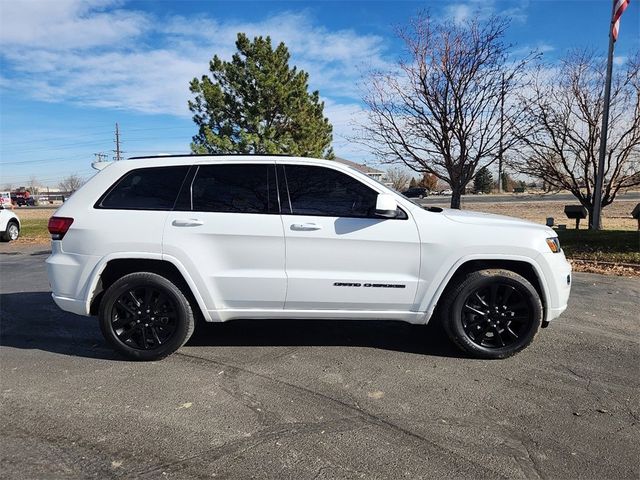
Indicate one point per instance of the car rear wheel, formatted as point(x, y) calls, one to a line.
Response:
point(492, 313)
point(145, 316)
point(11, 233)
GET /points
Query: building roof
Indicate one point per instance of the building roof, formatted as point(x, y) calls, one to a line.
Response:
point(358, 166)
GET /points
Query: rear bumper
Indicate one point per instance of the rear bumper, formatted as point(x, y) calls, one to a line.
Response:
point(69, 276)
point(79, 307)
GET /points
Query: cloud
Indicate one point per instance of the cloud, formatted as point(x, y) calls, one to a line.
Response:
point(619, 60)
point(459, 13)
point(462, 12)
point(64, 24)
point(343, 117)
point(109, 57)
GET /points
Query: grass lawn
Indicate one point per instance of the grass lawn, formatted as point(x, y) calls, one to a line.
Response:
point(35, 230)
point(602, 245)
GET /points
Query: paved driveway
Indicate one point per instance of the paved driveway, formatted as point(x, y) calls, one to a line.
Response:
point(317, 399)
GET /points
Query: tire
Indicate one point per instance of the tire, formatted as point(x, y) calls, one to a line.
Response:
point(492, 313)
point(12, 232)
point(145, 316)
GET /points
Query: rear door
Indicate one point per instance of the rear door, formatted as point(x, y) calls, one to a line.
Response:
point(227, 230)
point(339, 255)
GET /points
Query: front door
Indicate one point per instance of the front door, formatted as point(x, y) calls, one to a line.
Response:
point(339, 255)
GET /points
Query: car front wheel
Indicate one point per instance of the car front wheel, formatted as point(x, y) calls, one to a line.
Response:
point(492, 313)
point(11, 233)
point(145, 316)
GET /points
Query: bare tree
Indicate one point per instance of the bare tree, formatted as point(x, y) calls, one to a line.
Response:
point(564, 110)
point(398, 177)
point(440, 111)
point(33, 185)
point(71, 183)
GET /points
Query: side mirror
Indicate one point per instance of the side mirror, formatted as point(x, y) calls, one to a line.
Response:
point(386, 206)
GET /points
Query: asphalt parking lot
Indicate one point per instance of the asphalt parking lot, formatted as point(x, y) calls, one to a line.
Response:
point(314, 399)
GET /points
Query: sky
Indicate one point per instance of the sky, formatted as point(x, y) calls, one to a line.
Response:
point(71, 69)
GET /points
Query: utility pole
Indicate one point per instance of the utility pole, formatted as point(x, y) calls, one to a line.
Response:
point(501, 147)
point(117, 141)
point(100, 157)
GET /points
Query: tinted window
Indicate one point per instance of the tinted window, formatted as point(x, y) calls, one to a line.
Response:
point(235, 188)
point(327, 192)
point(146, 189)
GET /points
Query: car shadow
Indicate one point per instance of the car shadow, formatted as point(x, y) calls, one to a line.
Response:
point(31, 320)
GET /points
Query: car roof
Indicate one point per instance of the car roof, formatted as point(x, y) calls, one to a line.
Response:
point(196, 159)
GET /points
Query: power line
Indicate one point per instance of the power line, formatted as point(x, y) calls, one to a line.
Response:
point(43, 160)
point(100, 132)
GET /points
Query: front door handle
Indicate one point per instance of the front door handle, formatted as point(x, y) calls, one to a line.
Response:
point(191, 222)
point(305, 227)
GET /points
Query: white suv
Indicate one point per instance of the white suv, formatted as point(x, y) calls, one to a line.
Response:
point(152, 243)
point(9, 222)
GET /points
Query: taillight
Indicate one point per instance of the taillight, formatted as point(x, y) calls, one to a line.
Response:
point(58, 226)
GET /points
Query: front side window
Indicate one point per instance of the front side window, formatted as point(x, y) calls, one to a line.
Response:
point(327, 192)
point(153, 188)
point(241, 188)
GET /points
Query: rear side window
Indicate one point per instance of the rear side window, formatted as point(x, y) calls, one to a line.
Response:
point(145, 189)
point(241, 188)
point(327, 192)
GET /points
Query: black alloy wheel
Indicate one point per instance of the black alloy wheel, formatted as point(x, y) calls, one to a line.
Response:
point(496, 316)
point(146, 316)
point(491, 313)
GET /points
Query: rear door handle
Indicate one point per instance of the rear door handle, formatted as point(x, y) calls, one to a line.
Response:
point(305, 227)
point(191, 222)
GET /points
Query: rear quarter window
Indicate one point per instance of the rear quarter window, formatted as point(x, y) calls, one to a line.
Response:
point(154, 188)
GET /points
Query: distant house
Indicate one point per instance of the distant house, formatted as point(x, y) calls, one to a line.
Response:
point(372, 172)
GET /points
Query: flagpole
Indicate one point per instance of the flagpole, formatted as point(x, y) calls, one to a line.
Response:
point(596, 223)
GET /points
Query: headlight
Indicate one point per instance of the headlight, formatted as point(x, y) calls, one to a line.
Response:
point(554, 244)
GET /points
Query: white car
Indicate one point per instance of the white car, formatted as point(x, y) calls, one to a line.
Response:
point(150, 244)
point(9, 223)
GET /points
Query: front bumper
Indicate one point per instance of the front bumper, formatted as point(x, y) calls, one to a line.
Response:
point(557, 272)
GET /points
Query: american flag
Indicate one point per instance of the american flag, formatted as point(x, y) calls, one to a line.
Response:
point(618, 9)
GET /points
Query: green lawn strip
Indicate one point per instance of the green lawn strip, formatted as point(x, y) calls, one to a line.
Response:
point(34, 228)
point(619, 246)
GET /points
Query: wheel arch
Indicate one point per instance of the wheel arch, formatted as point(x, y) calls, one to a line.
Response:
point(115, 268)
point(523, 266)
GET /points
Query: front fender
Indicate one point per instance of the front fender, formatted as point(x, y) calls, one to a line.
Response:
point(436, 288)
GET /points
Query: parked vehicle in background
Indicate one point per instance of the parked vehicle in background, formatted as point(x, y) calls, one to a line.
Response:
point(5, 198)
point(9, 222)
point(152, 243)
point(446, 192)
point(23, 198)
point(416, 192)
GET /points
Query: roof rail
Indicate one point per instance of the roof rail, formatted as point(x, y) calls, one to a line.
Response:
point(215, 155)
